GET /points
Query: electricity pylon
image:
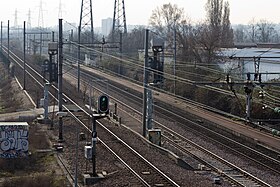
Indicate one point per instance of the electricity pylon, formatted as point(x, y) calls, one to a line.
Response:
point(86, 22)
point(119, 18)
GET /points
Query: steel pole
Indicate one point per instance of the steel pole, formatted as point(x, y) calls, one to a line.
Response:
point(145, 82)
point(52, 36)
point(79, 55)
point(90, 97)
point(76, 159)
point(248, 106)
point(41, 41)
point(8, 40)
point(46, 101)
point(60, 61)
point(93, 144)
point(1, 36)
point(121, 43)
point(175, 57)
point(24, 54)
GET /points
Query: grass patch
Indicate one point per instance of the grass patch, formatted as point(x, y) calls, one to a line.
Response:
point(35, 170)
point(17, 165)
point(41, 180)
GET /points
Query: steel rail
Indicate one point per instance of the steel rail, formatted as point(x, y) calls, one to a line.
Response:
point(85, 126)
point(218, 164)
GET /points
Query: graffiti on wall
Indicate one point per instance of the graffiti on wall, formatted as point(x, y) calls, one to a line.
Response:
point(13, 141)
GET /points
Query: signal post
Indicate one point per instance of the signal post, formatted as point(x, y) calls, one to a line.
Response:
point(90, 151)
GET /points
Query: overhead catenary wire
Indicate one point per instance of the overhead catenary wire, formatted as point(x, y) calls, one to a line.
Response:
point(137, 65)
point(166, 75)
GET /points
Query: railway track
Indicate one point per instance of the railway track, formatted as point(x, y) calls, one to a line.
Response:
point(147, 173)
point(161, 111)
point(269, 160)
point(181, 117)
point(216, 163)
point(224, 168)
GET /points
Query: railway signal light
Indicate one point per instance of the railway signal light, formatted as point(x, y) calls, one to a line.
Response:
point(103, 104)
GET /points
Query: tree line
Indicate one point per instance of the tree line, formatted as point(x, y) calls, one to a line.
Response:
point(257, 31)
point(200, 41)
point(195, 42)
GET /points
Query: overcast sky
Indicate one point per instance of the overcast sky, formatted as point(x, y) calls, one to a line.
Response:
point(137, 11)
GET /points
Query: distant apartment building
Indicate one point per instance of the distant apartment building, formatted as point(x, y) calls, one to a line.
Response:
point(107, 25)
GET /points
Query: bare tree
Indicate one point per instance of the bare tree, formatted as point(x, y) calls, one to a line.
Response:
point(163, 18)
point(227, 31)
point(133, 41)
point(239, 34)
point(184, 35)
point(252, 31)
point(215, 33)
point(265, 31)
point(170, 21)
point(200, 41)
point(203, 44)
point(214, 9)
point(166, 19)
point(218, 14)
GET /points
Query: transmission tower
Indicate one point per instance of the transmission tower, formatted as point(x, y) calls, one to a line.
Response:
point(41, 16)
point(119, 20)
point(60, 10)
point(29, 19)
point(86, 22)
point(16, 19)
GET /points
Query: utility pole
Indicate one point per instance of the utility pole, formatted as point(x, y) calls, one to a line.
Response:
point(8, 40)
point(76, 155)
point(149, 109)
point(121, 43)
point(24, 47)
point(145, 82)
point(46, 101)
point(60, 61)
point(41, 38)
point(175, 56)
point(1, 36)
point(79, 55)
point(93, 144)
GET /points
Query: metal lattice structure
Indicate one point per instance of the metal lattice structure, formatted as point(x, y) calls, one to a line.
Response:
point(86, 22)
point(119, 19)
point(16, 19)
point(29, 20)
point(41, 16)
point(60, 10)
